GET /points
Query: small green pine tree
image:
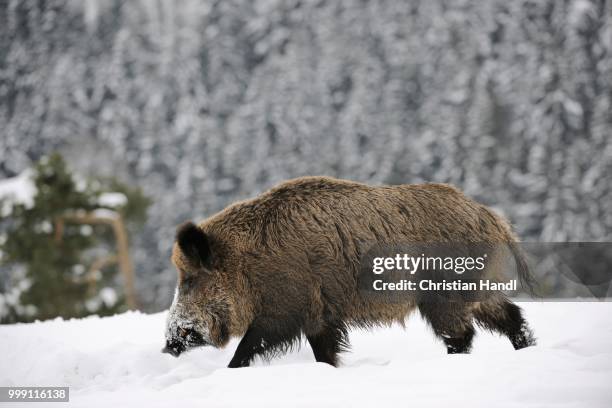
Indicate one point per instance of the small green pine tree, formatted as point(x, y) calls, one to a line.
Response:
point(55, 262)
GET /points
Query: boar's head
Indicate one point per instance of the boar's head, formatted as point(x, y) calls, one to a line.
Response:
point(200, 310)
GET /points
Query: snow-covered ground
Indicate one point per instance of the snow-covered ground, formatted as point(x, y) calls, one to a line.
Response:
point(116, 362)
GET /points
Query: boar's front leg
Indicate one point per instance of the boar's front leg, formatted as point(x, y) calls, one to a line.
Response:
point(327, 343)
point(263, 342)
point(249, 346)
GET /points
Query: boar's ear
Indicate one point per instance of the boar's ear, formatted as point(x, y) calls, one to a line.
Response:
point(194, 243)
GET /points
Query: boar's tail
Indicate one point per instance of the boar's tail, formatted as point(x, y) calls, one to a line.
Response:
point(528, 281)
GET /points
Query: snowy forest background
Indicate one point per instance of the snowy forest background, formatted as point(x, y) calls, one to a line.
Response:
point(203, 102)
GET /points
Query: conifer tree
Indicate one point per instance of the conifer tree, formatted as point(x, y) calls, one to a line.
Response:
point(54, 243)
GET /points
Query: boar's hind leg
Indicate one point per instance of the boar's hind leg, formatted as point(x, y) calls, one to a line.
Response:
point(327, 343)
point(503, 316)
point(263, 342)
point(452, 322)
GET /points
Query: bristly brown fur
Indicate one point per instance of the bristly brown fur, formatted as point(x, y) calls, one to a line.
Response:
point(285, 263)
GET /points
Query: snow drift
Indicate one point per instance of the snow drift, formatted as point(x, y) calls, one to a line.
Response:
point(116, 361)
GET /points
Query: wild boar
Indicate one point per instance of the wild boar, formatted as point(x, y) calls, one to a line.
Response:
point(285, 265)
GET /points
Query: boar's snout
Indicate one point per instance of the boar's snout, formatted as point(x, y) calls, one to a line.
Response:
point(173, 348)
point(182, 339)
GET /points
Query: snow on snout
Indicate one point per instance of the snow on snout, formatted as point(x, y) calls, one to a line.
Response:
point(179, 321)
